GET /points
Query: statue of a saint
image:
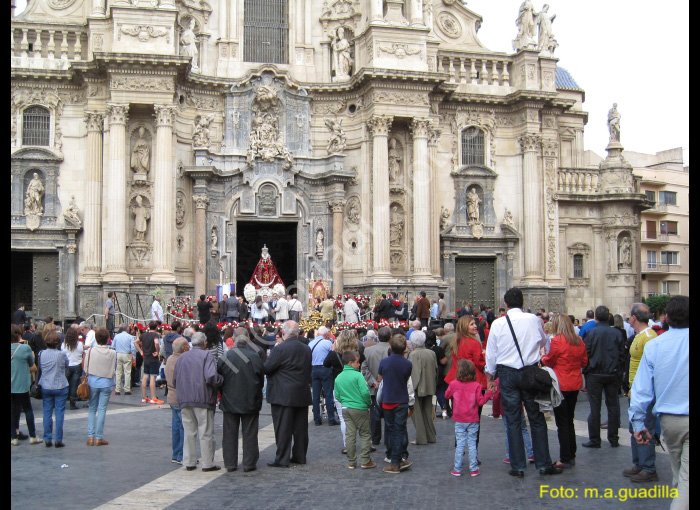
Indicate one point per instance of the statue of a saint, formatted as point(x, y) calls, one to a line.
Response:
point(337, 141)
point(141, 155)
point(35, 192)
point(546, 41)
point(141, 216)
point(179, 210)
point(354, 211)
point(200, 136)
point(614, 123)
point(473, 202)
point(342, 61)
point(395, 227)
point(71, 213)
point(526, 26)
point(188, 44)
point(444, 218)
point(625, 254)
point(508, 219)
point(319, 241)
point(214, 238)
point(394, 162)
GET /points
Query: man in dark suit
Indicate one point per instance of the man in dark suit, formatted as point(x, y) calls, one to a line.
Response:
point(383, 309)
point(423, 310)
point(288, 373)
point(19, 317)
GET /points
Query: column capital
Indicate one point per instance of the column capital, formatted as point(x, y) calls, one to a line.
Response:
point(380, 125)
point(434, 137)
point(550, 147)
point(420, 128)
point(164, 114)
point(530, 142)
point(94, 121)
point(200, 201)
point(337, 205)
point(118, 113)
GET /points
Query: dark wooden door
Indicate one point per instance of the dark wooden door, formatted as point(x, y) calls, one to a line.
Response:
point(475, 281)
point(45, 285)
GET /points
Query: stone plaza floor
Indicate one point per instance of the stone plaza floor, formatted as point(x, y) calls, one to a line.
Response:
point(135, 470)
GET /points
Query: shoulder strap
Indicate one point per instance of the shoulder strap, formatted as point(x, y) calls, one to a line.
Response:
point(315, 345)
point(515, 339)
point(13, 354)
point(87, 367)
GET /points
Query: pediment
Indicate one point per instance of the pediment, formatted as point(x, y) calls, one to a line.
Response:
point(474, 171)
point(456, 26)
point(36, 154)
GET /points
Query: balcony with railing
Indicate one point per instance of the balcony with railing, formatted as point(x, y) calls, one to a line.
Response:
point(655, 267)
point(657, 208)
point(578, 181)
point(52, 47)
point(475, 70)
point(653, 237)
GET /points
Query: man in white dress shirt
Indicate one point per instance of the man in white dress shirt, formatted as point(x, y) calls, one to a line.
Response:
point(157, 310)
point(502, 356)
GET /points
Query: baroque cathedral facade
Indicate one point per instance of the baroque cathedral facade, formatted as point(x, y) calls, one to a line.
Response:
point(367, 143)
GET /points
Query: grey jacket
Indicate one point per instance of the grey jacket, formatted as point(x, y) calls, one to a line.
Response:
point(196, 380)
point(370, 367)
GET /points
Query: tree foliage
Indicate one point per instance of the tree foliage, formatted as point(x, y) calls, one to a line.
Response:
point(656, 303)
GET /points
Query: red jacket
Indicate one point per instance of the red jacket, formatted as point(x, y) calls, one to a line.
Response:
point(469, 348)
point(467, 399)
point(567, 361)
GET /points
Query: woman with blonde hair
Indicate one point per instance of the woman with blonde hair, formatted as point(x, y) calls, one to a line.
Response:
point(567, 356)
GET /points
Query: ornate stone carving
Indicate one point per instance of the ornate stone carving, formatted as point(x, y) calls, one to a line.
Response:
point(326, 108)
point(339, 13)
point(214, 241)
point(546, 43)
point(478, 230)
point(337, 141)
point(94, 121)
point(445, 215)
point(143, 32)
point(266, 141)
point(434, 137)
point(118, 113)
point(379, 125)
point(508, 219)
point(485, 120)
point(60, 4)
point(337, 205)
point(449, 25)
point(201, 138)
point(403, 98)
point(188, 43)
point(396, 260)
point(164, 114)
point(342, 55)
point(267, 198)
point(48, 98)
point(141, 214)
point(71, 249)
point(353, 211)
point(141, 155)
point(614, 124)
point(180, 242)
point(71, 213)
point(624, 260)
point(319, 244)
point(530, 142)
point(420, 128)
point(396, 226)
point(401, 51)
point(395, 173)
point(473, 202)
point(200, 201)
point(141, 83)
point(526, 27)
point(33, 203)
point(180, 211)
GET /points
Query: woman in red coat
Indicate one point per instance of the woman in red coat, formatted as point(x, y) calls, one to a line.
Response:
point(567, 356)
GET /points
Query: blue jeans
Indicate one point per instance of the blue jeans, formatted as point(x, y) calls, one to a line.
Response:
point(466, 433)
point(396, 432)
point(526, 436)
point(99, 398)
point(178, 432)
point(322, 377)
point(54, 399)
point(513, 397)
point(644, 455)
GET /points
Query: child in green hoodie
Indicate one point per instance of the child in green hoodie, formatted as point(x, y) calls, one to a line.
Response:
point(352, 392)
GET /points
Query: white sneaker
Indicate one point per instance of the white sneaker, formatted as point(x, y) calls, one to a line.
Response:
point(386, 459)
point(15, 442)
point(35, 440)
point(444, 415)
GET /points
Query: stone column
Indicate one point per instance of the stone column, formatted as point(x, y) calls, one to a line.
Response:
point(71, 248)
point(376, 11)
point(532, 205)
point(421, 197)
point(163, 196)
point(98, 8)
point(115, 195)
point(417, 12)
point(379, 126)
point(92, 233)
point(337, 206)
point(200, 244)
point(433, 139)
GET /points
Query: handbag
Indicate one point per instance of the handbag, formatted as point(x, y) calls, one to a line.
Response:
point(84, 388)
point(532, 377)
point(35, 388)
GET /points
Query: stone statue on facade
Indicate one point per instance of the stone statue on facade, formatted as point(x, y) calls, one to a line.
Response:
point(546, 41)
point(614, 123)
point(188, 44)
point(266, 141)
point(473, 202)
point(526, 27)
point(319, 244)
point(394, 162)
point(201, 130)
point(180, 210)
point(141, 216)
point(33, 202)
point(508, 219)
point(445, 218)
point(214, 239)
point(71, 213)
point(342, 60)
point(625, 252)
point(395, 227)
point(141, 155)
point(338, 140)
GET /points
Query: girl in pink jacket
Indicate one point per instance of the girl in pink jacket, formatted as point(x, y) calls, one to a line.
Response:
point(466, 394)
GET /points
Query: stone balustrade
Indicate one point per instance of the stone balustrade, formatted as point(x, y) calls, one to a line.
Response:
point(475, 69)
point(36, 47)
point(578, 180)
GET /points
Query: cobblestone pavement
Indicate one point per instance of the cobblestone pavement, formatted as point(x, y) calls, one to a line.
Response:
point(135, 471)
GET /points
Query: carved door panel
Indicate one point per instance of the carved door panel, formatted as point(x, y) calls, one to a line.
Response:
point(45, 285)
point(475, 282)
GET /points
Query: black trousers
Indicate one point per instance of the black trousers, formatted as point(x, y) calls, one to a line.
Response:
point(229, 444)
point(597, 384)
point(564, 418)
point(375, 422)
point(291, 426)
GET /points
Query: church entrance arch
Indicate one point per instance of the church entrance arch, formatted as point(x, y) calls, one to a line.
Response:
point(280, 237)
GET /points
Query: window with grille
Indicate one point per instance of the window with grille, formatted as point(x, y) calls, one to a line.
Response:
point(578, 266)
point(266, 31)
point(667, 197)
point(36, 126)
point(472, 146)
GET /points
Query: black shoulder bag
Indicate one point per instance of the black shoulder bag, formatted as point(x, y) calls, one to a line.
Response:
point(532, 377)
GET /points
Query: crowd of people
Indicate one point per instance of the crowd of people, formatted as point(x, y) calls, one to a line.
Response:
point(524, 362)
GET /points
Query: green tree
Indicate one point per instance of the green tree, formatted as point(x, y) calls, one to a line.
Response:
point(657, 303)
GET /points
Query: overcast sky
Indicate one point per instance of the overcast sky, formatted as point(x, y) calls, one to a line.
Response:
point(631, 53)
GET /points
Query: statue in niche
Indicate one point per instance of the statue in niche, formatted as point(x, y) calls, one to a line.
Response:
point(546, 42)
point(614, 123)
point(141, 155)
point(354, 211)
point(396, 223)
point(394, 163)
point(473, 202)
point(188, 44)
point(337, 141)
point(342, 60)
point(35, 193)
point(141, 216)
point(214, 239)
point(265, 139)
point(180, 210)
point(319, 244)
point(71, 214)
point(526, 27)
point(201, 130)
point(625, 252)
point(444, 218)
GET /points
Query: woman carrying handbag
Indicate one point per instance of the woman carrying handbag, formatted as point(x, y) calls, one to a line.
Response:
point(100, 367)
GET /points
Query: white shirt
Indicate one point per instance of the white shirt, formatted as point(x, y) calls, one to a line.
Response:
point(156, 308)
point(351, 310)
point(501, 349)
point(75, 357)
point(282, 310)
point(295, 305)
point(629, 329)
point(90, 339)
